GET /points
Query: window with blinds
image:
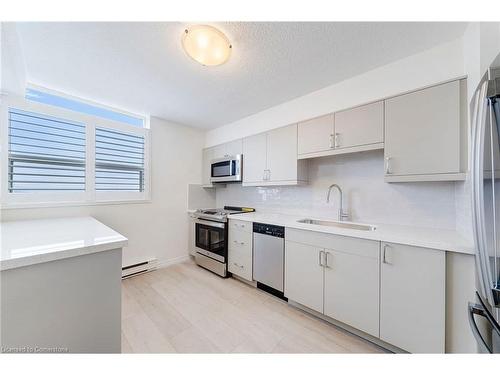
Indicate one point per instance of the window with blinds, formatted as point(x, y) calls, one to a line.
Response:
point(45, 153)
point(119, 161)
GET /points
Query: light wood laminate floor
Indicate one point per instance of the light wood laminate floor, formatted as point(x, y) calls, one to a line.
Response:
point(186, 309)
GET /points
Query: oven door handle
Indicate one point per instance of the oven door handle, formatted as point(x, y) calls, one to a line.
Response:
point(210, 223)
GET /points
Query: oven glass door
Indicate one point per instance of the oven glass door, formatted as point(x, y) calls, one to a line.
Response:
point(211, 237)
point(224, 168)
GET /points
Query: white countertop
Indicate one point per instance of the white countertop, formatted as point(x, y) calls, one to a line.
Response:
point(441, 239)
point(29, 242)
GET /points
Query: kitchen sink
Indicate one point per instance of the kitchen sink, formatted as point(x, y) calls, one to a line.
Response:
point(338, 224)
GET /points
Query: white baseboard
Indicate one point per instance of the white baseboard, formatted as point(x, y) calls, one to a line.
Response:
point(170, 262)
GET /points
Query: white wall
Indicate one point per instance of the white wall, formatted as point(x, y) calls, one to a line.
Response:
point(366, 196)
point(481, 46)
point(12, 71)
point(158, 228)
point(429, 67)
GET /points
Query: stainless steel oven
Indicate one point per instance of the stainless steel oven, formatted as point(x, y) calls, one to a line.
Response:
point(227, 169)
point(210, 237)
point(210, 245)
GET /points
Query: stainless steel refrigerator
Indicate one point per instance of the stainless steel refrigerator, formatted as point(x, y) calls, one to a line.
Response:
point(484, 313)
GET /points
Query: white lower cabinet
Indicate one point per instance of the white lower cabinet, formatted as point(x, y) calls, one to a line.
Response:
point(240, 251)
point(304, 275)
point(342, 283)
point(412, 298)
point(393, 292)
point(352, 289)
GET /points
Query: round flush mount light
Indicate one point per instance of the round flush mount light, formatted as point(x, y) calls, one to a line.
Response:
point(206, 44)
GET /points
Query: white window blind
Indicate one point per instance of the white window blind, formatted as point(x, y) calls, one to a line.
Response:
point(119, 161)
point(45, 153)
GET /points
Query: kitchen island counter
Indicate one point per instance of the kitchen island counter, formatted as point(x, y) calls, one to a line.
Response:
point(29, 242)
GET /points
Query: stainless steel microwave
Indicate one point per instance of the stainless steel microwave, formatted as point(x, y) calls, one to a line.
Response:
point(226, 169)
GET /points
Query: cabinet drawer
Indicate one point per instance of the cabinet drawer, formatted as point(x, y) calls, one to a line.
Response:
point(240, 262)
point(240, 251)
point(245, 226)
point(241, 269)
point(240, 239)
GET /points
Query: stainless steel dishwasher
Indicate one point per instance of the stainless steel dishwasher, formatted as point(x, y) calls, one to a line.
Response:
point(269, 257)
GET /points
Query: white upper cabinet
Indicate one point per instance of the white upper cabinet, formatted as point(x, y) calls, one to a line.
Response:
point(234, 147)
point(425, 136)
point(360, 126)
point(315, 135)
point(216, 152)
point(271, 158)
point(228, 149)
point(412, 298)
point(282, 154)
point(208, 155)
point(353, 130)
point(255, 158)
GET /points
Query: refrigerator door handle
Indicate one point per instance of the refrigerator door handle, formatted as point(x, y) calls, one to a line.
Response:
point(478, 213)
point(476, 309)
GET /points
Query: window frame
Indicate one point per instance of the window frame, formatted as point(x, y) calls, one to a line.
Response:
point(69, 198)
point(31, 86)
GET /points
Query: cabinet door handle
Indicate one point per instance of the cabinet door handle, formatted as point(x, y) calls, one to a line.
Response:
point(386, 256)
point(336, 139)
point(327, 263)
point(320, 260)
point(242, 243)
point(267, 174)
point(388, 165)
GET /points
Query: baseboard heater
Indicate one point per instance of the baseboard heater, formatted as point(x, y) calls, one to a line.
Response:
point(139, 268)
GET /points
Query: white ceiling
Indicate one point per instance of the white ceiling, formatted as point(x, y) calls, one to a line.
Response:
point(142, 67)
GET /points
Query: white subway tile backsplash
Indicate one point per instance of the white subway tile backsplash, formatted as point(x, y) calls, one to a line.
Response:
point(367, 197)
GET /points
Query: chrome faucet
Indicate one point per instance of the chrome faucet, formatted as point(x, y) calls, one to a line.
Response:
point(341, 215)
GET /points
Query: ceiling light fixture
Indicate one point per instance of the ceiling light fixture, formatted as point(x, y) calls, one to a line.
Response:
point(206, 44)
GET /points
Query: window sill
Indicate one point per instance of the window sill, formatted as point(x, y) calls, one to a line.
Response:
point(16, 206)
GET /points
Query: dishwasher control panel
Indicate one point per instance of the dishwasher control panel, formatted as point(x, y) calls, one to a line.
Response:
point(270, 230)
